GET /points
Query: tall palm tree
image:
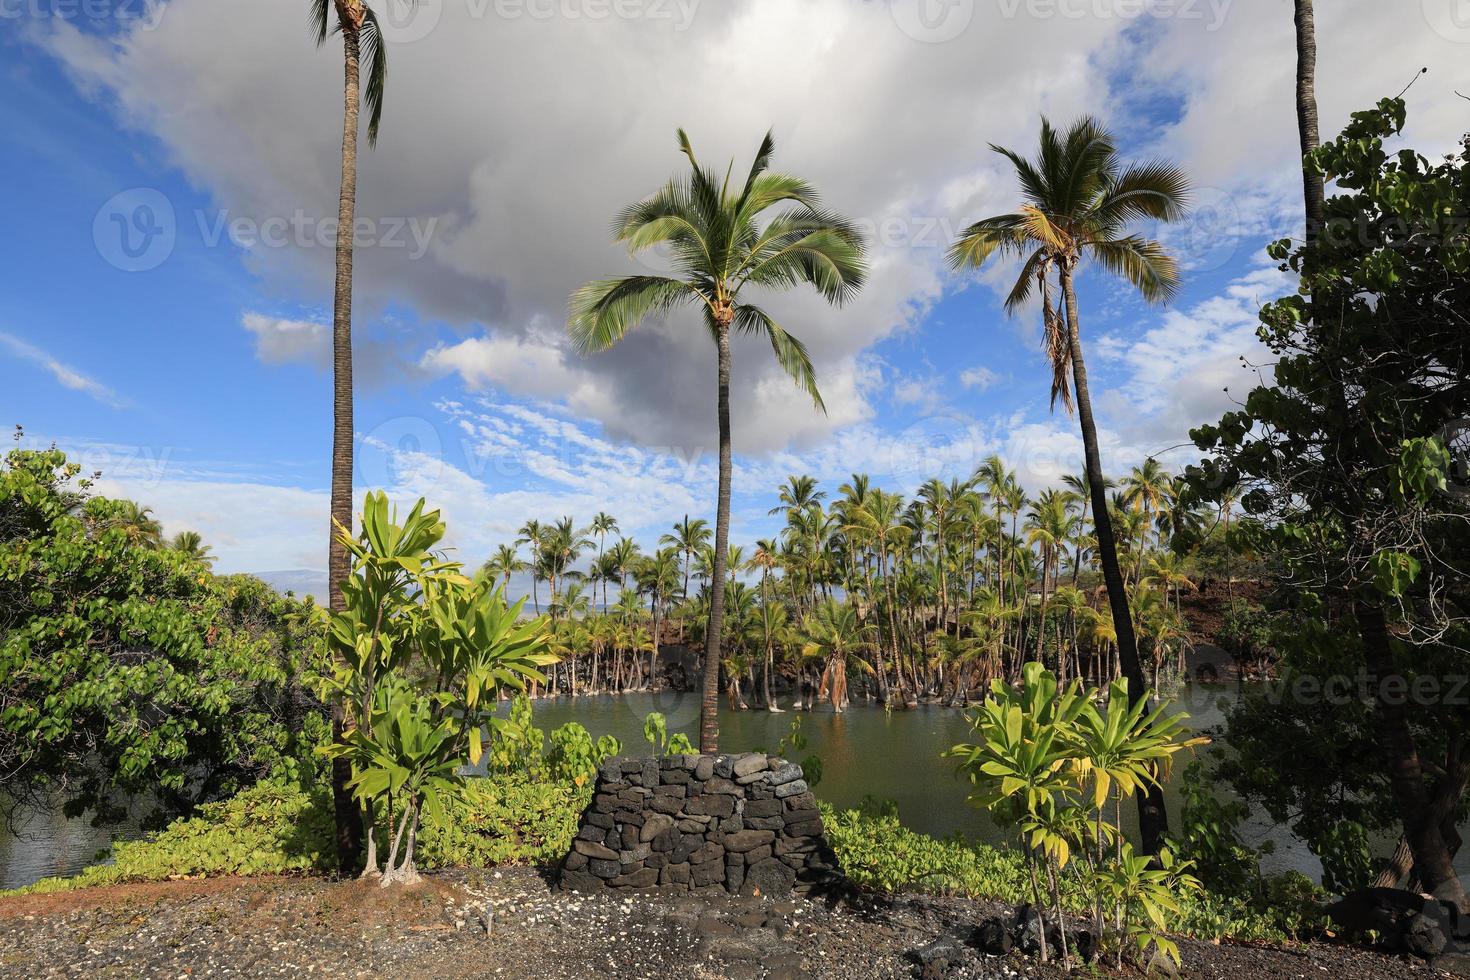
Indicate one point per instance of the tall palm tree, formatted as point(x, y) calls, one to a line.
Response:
point(689, 537)
point(1078, 200)
point(721, 241)
point(601, 524)
point(503, 564)
point(533, 533)
point(362, 40)
point(1306, 113)
point(658, 575)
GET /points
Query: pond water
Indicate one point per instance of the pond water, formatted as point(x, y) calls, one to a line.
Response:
point(865, 752)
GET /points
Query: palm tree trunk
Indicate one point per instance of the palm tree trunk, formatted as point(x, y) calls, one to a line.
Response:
point(1306, 112)
point(1152, 818)
point(709, 719)
point(346, 811)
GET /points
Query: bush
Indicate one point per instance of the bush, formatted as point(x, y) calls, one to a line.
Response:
point(280, 828)
point(876, 851)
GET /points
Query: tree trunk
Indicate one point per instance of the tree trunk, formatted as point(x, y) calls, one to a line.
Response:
point(346, 811)
point(709, 718)
point(1433, 861)
point(1152, 818)
point(1306, 113)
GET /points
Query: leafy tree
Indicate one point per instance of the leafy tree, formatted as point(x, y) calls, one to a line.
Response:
point(722, 241)
point(130, 674)
point(1079, 200)
point(1342, 470)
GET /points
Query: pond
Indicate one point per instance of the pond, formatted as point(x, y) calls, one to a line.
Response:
point(865, 752)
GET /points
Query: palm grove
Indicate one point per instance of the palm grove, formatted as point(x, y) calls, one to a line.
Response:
point(1332, 488)
point(931, 596)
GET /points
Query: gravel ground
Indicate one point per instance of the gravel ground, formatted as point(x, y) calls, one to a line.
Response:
point(265, 927)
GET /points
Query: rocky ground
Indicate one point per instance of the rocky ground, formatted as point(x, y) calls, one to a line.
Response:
point(511, 923)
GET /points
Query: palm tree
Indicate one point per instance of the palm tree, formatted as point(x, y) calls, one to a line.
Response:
point(720, 245)
point(601, 524)
point(534, 534)
point(139, 524)
point(361, 39)
point(834, 637)
point(1306, 113)
point(658, 576)
point(191, 544)
point(1078, 199)
point(689, 537)
point(503, 564)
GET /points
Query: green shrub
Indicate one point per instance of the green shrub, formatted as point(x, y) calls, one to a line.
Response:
point(878, 852)
point(504, 821)
point(269, 828)
point(277, 828)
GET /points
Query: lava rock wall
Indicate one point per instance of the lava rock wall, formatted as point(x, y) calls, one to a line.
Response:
point(745, 824)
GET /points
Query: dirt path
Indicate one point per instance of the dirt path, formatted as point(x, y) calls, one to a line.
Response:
point(265, 927)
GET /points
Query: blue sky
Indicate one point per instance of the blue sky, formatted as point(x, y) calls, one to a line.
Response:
point(188, 365)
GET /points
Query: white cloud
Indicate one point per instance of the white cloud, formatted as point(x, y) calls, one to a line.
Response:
point(980, 378)
point(280, 341)
point(66, 376)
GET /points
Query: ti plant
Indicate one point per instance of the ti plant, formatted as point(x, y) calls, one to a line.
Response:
point(420, 656)
point(1056, 768)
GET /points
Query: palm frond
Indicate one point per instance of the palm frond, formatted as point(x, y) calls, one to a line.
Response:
point(375, 60)
point(1157, 190)
point(1143, 262)
point(758, 166)
point(1020, 293)
point(790, 353)
point(1004, 233)
point(604, 310)
point(820, 248)
point(317, 13)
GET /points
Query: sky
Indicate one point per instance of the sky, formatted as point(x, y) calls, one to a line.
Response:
point(166, 294)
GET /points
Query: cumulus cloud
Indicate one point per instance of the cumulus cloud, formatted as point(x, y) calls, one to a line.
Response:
point(979, 378)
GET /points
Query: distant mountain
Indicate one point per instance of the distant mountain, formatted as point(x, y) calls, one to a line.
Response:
point(302, 581)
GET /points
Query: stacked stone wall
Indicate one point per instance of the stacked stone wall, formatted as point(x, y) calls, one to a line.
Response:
point(744, 824)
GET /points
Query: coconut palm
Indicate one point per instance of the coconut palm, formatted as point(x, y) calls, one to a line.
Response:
point(503, 564)
point(602, 524)
point(1078, 201)
point(658, 576)
point(138, 523)
point(689, 537)
point(721, 241)
point(191, 544)
point(834, 638)
point(1306, 113)
point(534, 534)
point(362, 40)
